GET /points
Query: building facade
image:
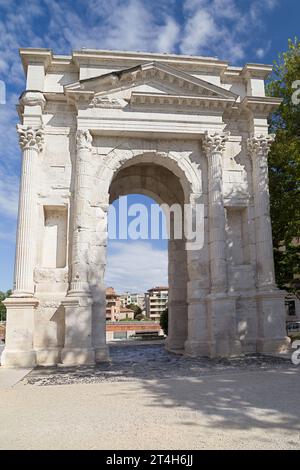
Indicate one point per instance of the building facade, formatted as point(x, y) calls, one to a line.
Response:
point(133, 298)
point(193, 131)
point(115, 311)
point(156, 300)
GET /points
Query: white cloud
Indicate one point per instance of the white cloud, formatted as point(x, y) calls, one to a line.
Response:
point(221, 27)
point(168, 36)
point(135, 267)
point(199, 29)
point(262, 51)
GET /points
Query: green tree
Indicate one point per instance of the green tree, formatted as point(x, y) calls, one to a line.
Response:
point(284, 167)
point(137, 311)
point(164, 320)
point(3, 296)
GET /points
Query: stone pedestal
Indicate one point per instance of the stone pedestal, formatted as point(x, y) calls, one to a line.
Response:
point(19, 342)
point(271, 322)
point(78, 347)
point(177, 305)
point(199, 334)
point(99, 324)
point(222, 312)
point(177, 327)
point(48, 356)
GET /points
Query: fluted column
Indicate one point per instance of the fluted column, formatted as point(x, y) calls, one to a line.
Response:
point(31, 142)
point(258, 147)
point(81, 233)
point(214, 145)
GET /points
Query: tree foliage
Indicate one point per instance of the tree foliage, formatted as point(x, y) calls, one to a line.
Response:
point(284, 167)
point(3, 296)
point(164, 320)
point(137, 311)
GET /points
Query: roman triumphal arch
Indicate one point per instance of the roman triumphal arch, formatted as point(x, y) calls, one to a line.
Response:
point(183, 130)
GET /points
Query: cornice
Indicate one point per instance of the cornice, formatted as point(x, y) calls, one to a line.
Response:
point(256, 71)
point(199, 102)
point(130, 59)
point(78, 96)
point(35, 56)
point(122, 59)
point(261, 104)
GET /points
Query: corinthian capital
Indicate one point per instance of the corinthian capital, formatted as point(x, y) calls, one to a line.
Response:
point(30, 138)
point(214, 141)
point(260, 144)
point(84, 139)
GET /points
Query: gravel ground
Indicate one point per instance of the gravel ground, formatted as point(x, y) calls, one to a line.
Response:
point(146, 362)
point(150, 399)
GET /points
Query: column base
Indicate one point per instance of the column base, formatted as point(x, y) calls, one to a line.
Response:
point(102, 354)
point(271, 322)
point(222, 310)
point(280, 345)
point(197, 348)
point(48, 356)
point(78, 349)
point(23, 359)
point(226, 348)
point(19, 345)
point(175, 345)
point(77, 357)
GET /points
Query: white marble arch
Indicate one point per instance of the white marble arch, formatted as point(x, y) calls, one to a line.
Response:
point(98, 124)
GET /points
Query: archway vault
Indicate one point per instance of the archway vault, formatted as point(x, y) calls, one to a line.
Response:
point(178, 164)
point(157, 181)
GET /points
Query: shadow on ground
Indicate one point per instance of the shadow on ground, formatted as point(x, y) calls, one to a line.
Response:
point(227, 390)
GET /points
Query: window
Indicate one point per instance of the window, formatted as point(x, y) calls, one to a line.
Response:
point(120, 334)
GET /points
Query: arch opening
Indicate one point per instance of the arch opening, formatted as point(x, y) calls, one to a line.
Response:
point(155, 181)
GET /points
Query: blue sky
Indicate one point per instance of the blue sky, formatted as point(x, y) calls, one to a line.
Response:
point(236, 30)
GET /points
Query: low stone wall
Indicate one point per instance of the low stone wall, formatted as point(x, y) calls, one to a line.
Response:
point(124, 330)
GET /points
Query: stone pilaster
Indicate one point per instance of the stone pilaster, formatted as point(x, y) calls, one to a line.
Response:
point(19, 345)
point(177, 305)
point(78, 348)
point(221, 306)
point(81, 229)
point(214, 145)
point(258, 147)
point(270, 300)
point(31, 142)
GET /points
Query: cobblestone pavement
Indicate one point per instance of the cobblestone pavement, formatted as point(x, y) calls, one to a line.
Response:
point(150, 361)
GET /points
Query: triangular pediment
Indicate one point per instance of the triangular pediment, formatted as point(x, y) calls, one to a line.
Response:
point(152, 83)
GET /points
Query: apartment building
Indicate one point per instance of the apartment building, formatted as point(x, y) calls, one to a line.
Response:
point(129, 298)
point(115, 311)
point(156, 301)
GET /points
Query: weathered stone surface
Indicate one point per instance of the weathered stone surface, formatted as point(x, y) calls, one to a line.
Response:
point(158, 130)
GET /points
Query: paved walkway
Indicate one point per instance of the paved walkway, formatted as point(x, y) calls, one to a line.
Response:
point(10, 377)
point(148, 399)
